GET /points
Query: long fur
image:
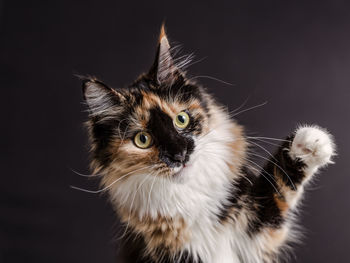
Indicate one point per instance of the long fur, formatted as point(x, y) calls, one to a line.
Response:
point(212, 205)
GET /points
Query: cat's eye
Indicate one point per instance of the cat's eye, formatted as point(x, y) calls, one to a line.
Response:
point(143, 140)
point(182, 120)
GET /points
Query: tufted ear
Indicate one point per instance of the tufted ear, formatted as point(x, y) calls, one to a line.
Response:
point(101, 99)
point(164, 70)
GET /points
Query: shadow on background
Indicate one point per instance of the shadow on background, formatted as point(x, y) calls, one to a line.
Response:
point(295, 56)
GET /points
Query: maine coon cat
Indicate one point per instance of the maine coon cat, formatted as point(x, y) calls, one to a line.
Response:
point(177, 171)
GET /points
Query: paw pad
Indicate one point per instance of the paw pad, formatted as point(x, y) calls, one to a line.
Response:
point(313, 145)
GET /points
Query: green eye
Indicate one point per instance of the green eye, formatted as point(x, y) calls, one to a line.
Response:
point(182, 120)
point(143, 140)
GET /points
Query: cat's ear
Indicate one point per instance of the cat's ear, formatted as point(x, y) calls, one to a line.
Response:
point(101, 99)
point(164, 70)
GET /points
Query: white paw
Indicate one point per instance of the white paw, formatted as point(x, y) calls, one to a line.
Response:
point(313, 145)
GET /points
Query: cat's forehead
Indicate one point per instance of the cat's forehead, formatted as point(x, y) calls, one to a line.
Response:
point(147, 105)
point(169, 105)
point(170, 100)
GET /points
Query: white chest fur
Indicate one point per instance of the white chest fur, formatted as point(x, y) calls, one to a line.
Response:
point(196, 197)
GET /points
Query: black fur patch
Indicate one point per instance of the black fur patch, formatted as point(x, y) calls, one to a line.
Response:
point(293, 168)
point(102, 133)
point(259, 198)
point(264, 189)
point(265, 208)
point(174, 147)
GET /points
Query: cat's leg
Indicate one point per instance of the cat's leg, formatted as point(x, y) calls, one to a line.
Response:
point(276, 193)
point(309, 149)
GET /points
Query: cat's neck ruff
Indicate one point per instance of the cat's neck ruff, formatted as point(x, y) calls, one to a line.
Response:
point(196, 197)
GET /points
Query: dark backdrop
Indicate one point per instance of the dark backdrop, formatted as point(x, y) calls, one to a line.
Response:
point(295, 56)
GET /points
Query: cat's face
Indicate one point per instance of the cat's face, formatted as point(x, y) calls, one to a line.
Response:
point(151, 127)
point(147, 126)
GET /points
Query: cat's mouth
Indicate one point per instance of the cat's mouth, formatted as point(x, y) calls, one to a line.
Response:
point(178, 171)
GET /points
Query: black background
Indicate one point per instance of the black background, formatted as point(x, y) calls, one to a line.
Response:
point(294, 55)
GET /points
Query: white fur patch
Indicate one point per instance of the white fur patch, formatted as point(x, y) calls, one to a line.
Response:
point(196, 195)
point(314, 146)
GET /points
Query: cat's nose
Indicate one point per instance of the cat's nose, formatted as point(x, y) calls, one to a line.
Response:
point(180, 157)
point(174, 159)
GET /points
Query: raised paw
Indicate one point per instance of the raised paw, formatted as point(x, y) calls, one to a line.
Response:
point(313, 145)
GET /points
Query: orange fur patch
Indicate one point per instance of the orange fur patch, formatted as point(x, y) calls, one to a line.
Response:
point(239, 147)
point(162, 33)
point(281, 204)
point(166, 232)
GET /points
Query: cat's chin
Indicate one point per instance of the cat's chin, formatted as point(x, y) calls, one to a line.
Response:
point(178, 175)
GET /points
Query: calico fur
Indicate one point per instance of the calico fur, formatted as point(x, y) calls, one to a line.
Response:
point(211, 205)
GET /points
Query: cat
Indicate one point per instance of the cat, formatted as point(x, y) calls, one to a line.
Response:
point(177, 171)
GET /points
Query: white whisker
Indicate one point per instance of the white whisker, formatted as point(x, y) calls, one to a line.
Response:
point(262, 174)
point(108, 186)
point(242, 105)
point(278, 167)
point(251, 108)
point(268, 138)
point(264, 149)
point(84, 175)
point(212, 78)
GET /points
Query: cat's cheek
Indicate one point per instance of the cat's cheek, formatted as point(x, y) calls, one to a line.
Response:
point(131, 148)
point(128, 151)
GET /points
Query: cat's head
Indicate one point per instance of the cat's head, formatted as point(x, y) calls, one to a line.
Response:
point(157, 126)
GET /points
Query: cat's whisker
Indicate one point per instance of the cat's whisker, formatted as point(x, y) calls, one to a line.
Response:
point(278, 166)
point(123, 138)
point(242, 105)
point(212, 78)
point(191, 62)
point(259, 172)
point(264, 149)
point(176, 97)
point(108, 186)
point(183, 61)
point(84, 175)
point(250, 138)
point(119, 126)
point(261, 168)
point(175, 50)
point(251, 108)
point(246, 178)
point(262, 174)
point(268, 138)
point(267, 142)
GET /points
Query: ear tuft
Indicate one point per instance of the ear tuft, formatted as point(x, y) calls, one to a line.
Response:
point(163, 70)
point(162, 34)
